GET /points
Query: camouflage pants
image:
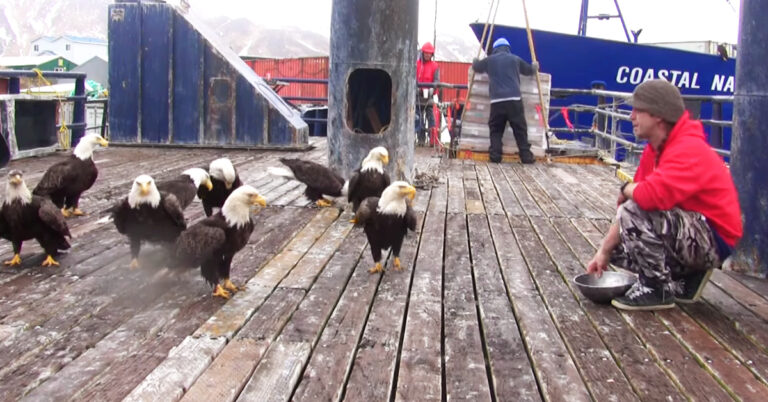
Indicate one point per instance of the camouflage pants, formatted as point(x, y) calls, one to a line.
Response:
point(662, 246)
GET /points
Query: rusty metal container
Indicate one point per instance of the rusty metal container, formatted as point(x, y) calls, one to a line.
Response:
point(372, 83)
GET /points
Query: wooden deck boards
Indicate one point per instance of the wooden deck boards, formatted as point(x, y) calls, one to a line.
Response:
point(484, 309)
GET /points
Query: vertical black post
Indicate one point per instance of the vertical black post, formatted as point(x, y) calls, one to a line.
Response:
point(78, 113)
point(748, 151)
point(716, 132)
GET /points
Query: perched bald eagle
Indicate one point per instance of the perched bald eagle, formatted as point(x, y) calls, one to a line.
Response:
point(24, 216)
point(186, 185)
point(386, 220)
point(213, 242)
point(371, 179)
point(148, 215)
point(323, 184)
point(65, 181)
point(225, 180)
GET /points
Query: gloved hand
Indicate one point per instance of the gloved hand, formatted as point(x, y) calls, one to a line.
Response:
point(535, 66)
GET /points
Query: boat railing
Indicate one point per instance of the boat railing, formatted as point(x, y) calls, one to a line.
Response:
point(610, 131)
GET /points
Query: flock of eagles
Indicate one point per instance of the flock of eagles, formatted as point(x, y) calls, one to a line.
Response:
point(154, 211)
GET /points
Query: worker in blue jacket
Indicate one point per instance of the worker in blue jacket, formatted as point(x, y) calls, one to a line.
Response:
point(504, 69)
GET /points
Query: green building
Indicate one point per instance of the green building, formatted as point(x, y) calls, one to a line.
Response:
point(43, 63)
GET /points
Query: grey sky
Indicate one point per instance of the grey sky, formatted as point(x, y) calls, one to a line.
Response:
point(661, 20)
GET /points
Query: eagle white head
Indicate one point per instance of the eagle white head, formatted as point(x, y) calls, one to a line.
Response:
point(223, 170)
point(89, 142)
point(237, 207)
point(395, 198)
point(16, 189)
point(199, 177)
point(143, 191)
point(377, 158)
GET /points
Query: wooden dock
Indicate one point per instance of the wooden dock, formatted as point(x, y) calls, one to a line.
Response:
point(484, 311)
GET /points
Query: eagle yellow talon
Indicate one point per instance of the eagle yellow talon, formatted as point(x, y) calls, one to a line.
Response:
point(353, 221)
point(376, 269)
point(323, 203)
point(231, 286)
point(220, 292)
point(65, 212)
point(50, 262)
point(397, 264)
point(78, 212)
point(16, 260)
point(134, 264)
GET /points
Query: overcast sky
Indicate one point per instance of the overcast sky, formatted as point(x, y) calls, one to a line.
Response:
point(661, 20)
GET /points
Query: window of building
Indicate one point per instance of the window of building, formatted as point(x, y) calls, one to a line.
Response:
point(68, 46)
point(37, 48)
point(59, 69)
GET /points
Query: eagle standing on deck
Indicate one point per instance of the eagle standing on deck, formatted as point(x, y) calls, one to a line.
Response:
point(24, 216)
point(65, 181)
point(323, 184)
point(225, 180)
point(371, 179)
point(148, 215)
point(187, 185)
point(213, 242)
point(386, 220)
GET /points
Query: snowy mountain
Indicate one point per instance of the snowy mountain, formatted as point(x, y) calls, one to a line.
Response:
point(22, 21)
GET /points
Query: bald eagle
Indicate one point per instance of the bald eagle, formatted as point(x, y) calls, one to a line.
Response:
point(386, 220)
point(225, 179)
point(213, 242)
point(186, 185)
point(323, 184)
point(148, 215)
point(371, 179)
point(24, 216)
point(65, 181)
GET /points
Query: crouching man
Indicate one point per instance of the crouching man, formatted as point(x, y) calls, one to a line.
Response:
point(680, 218)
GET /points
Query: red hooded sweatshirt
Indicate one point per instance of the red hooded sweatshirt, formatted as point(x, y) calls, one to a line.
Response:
point(690, 175)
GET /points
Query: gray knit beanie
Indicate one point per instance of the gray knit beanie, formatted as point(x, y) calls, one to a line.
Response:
point(659, 98)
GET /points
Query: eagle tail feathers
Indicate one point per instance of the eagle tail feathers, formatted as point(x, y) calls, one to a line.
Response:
point(281, 172)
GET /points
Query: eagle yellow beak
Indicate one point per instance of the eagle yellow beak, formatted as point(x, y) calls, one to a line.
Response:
point(103, 142)
point(228, 185)
point(144, 189)
point(409, 192)
point(258, 200)
point(15, 180)
point(385, 159)
point(208, 184)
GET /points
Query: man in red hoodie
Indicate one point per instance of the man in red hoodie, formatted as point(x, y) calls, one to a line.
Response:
point(427, 71)
point(680, 217)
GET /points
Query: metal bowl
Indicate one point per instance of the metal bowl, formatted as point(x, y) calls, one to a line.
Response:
point(606, 287)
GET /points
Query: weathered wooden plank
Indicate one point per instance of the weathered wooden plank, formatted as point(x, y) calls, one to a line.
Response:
point(420, 370)
point(676, 361)
point(744, 320)
point(542, 198)
point(525, 199)
point(751, 355)
point(325, 372)
point(488, 190)
point(646, 377)
point(507, 197)
point(751, 300)
point(455, 189)
point(554, 367)
point(372, 373)
point(465, 373)
point(472, 197)
point(277, 373)
point(758, 285)
point(176, 374)
point(566, 195)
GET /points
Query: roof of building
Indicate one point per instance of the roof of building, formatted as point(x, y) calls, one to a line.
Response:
point(18, 61)
point(79, 39)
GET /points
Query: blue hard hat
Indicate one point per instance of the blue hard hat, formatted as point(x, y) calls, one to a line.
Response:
point(500, 42)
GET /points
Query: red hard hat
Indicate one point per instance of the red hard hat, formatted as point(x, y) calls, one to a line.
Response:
point(428, 48)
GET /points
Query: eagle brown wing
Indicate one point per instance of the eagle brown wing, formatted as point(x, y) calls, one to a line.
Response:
point(51, 216)
point(55, 177)
point(173, 208)
point(200, 241)
point(315, 176)
point(410, 219)
point(366, 211)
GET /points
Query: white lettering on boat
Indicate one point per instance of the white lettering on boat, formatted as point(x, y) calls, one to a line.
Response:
point(682, 79)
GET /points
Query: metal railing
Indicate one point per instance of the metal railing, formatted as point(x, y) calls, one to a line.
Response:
point(610, 119)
